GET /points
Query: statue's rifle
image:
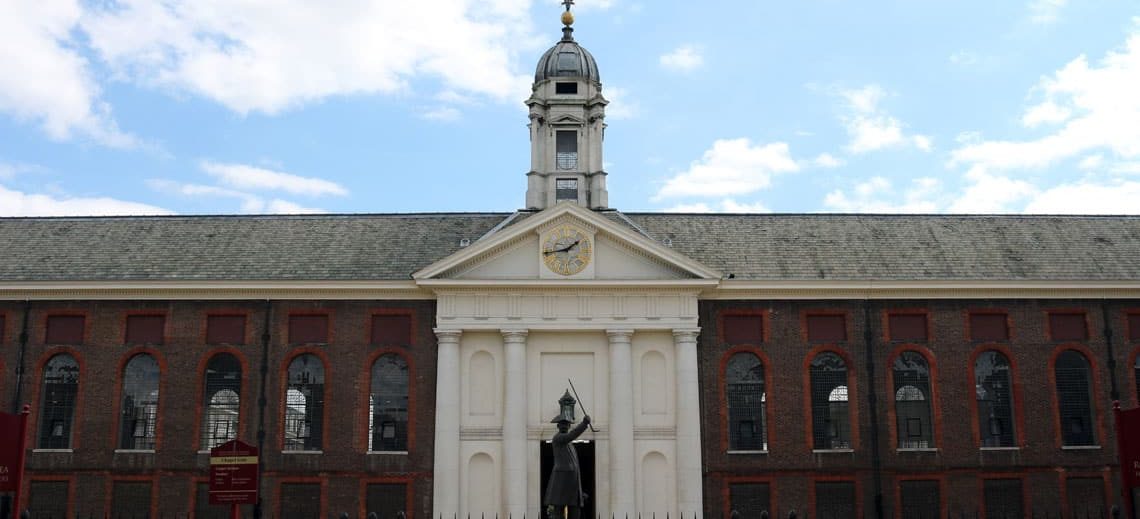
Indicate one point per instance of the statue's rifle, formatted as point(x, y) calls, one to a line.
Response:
point(580, 404)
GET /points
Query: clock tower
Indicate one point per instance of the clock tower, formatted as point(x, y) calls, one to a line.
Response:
point(567, 126)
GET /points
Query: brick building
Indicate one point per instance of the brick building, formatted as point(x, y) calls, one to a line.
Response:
point(836, 365)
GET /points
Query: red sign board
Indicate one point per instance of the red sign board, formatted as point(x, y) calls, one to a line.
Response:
point(11, 448)
point(233, 474)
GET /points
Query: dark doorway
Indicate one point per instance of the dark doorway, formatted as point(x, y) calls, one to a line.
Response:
point(585, 450)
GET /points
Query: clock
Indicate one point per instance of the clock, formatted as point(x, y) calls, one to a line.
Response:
point(566, 250)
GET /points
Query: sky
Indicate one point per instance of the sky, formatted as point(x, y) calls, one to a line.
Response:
point(120, 107)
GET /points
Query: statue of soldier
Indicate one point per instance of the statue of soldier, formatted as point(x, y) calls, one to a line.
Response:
point(564, 490)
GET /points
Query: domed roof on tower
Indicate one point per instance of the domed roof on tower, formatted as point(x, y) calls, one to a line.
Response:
point(566, 58)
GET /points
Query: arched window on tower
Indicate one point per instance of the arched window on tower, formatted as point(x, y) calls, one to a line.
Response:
point(1074, 399)
point(138, 420)
point(57, 402)
point(304, 404)
point(221, 401)
point(993, 388)
point(830, 416)
point(745, 392)
point(388, 405)
point(913, 426)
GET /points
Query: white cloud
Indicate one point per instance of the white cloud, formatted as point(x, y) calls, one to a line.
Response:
point(1091, 162)
point(730, 167)
point(249, 203)
point(726, 205)
point(270, 56)
point(682, 59)
point(45, 81)
point(17, 203)
point(241, 176)
point(442, 113)
point(1095, 108)
point(827, 160)
point(988, 193)
point(871, 128)
point(1115, 197)
point(621, 106)
point(874, 196)
point(287, 207)
point(1044, 12)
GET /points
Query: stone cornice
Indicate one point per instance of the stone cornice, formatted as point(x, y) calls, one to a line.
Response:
point(217, 290)
point(998, 289)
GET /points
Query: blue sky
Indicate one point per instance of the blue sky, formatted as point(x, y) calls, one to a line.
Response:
point(356, 106)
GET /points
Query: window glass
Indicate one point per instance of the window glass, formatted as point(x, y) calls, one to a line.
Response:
point(388, 404)
point(304, 404)
point(138, 416)
point(749, 499)
point(566, 148)
point(993, 389)
point(744, 390)
point(914, 426)
point(57, 402)
point(831, 422)
point(1074, 399)
point(221, 401)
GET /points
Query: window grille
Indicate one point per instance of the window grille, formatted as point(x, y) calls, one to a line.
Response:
point(221, 399)
point(386, 499)
point(912, 402)
point(48, 498)
point(566, 148)
point(749, 499)
point(566, 189)
point(304, 404)
point(993, 389)
point(831, 423)
point(1074, 399)
point(300, 500)
point(744, 390)
point(57, 402)
point(138, 418)
point(204, 510)
point(835, 500)
point(1002, 498)
point(388, 404)
point(919, 500)
point(130, 499)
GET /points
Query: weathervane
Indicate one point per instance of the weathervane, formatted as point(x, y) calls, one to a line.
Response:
point(567, 3)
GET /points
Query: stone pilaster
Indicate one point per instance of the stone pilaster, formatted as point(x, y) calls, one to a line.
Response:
point(622, 469)
point(689, 482)
point(514, 424)
point(446, 474)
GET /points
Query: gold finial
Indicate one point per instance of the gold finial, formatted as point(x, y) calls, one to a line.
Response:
point(567, 18)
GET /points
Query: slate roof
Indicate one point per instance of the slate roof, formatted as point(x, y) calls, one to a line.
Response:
point(393, 246)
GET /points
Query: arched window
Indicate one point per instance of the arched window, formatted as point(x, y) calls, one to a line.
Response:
point(304, 404)
point(388, 404)
point(993, 387)
point(57, 402)
point(221, 400)
point(830, 416)
point(138, 419)
point(912, 401)
point(744, 390)
point(1074, 398)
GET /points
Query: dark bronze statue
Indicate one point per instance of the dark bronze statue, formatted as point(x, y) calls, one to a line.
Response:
point(564, 493)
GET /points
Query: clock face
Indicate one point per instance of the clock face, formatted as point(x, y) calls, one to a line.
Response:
point(566, 250)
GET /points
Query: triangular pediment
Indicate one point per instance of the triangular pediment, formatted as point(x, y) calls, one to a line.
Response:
point(618, 252)
point(566, 119)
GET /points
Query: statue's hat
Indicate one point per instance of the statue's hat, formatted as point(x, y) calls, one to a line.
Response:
point(565, 409)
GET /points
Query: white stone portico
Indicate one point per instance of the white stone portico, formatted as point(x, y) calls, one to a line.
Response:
point(510, 335)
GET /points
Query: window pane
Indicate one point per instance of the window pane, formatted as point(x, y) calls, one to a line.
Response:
point(1003, 498)
point(64, 329)
point(304, 404)
point(919, 500)
point(221, 400)
point(914, 425)
point(744, 390)
point(145, 329)
point(225, 329)
point(57, 402)
point(831, 422)
point(138, 420)
point(835, 500)
point(566, 147)
point(300, 500)
point(749, 499)
point(994, 391)
point(388, 403)
point(1074, 398)
point(130, 499)
point(386, 500)
point(566, 189)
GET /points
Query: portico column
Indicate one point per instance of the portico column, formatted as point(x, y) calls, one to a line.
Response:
point(688, 424)
point(514, 424)
point(446, 475)
point(622, 487)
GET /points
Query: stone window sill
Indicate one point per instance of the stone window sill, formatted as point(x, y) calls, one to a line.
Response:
point(1080, 447)
point(832, 451)
point(382, 453)
point(747, 452)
